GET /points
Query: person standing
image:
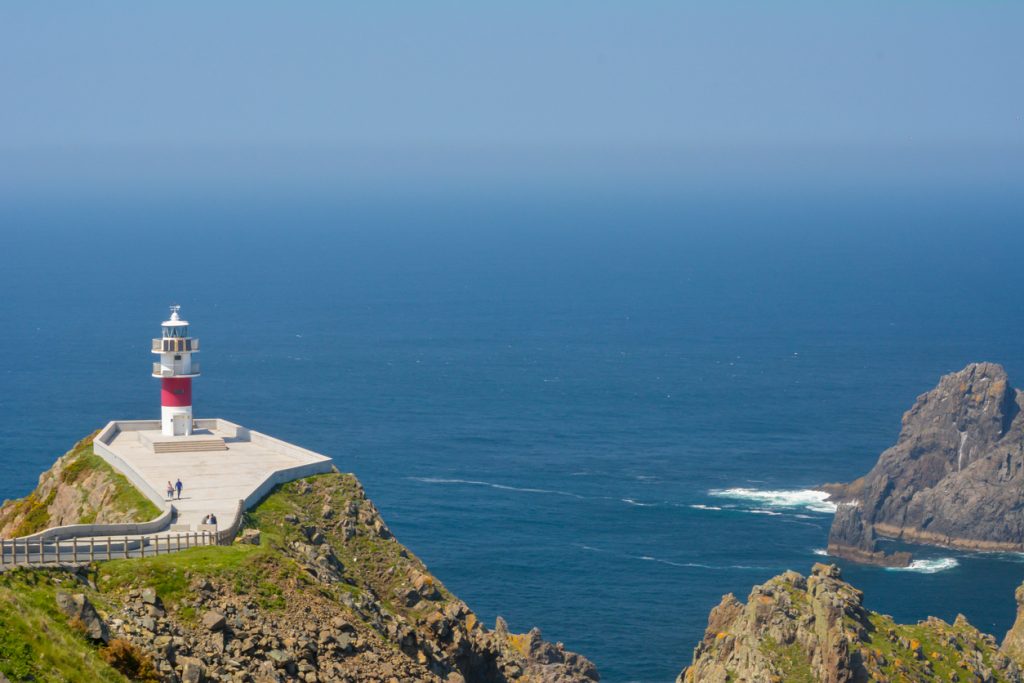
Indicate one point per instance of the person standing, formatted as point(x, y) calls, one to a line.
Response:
point(170, 491)
point(178, 486)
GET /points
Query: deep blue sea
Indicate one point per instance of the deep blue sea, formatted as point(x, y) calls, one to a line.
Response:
point(594, 415)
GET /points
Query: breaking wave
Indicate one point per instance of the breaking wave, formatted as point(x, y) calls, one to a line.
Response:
point(928, 566)
point(809, 499)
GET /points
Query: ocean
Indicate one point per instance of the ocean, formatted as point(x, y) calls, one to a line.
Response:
point(594, 415)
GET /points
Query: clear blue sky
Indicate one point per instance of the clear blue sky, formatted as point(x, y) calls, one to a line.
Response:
point(577, 73)
point(627, 83)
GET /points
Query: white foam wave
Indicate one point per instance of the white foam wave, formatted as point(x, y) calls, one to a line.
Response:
point(928, 566)
point(698, 506)
point(756, 511)
point(637, 503)
point(503, 487)
point(820, 551)
point(810, 499)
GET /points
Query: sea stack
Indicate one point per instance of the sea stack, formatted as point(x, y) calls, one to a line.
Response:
point(954, 478)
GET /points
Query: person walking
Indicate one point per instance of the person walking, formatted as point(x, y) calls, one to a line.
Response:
point(177, 485)
point(170, 491)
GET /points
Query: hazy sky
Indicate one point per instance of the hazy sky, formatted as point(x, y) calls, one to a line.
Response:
point(585, 72)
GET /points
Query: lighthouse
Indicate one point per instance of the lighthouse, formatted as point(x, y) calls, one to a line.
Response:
point(175, 370)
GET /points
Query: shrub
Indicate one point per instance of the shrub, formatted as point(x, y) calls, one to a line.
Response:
point(130, 660)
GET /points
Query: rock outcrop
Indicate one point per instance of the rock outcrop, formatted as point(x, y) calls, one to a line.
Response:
point(318, 591)
point(806, 630)
point(79, 488)
point(954, 478)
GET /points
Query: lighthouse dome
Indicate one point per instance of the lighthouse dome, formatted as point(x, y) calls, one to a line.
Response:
point(175, 326)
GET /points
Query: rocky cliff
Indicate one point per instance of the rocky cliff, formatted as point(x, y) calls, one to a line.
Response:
point(794, 629)
point(317, 589)
point(954, 478)
point(80, 488)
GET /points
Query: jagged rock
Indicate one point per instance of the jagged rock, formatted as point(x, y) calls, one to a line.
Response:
point(78, 607)
point(955, 477)
point(817, 629)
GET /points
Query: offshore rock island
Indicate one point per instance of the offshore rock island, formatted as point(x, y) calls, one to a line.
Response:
point(954, 478)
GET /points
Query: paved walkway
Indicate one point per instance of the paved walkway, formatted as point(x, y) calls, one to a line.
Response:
point(214, 481)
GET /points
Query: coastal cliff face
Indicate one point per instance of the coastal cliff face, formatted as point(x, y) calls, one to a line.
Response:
point(317, 589)
point(80, 488)
point(809, 630)
point(954, 478)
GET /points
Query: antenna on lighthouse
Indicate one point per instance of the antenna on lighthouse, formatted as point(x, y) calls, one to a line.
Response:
point(174, 312)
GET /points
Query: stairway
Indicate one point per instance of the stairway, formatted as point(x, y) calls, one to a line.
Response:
point(190, 445)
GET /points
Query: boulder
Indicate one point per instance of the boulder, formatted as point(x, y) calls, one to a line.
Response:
point(213, 621)
point(192, 670)
point(78, 607)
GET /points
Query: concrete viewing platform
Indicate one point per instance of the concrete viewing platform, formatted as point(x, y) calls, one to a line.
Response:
point(224, 467)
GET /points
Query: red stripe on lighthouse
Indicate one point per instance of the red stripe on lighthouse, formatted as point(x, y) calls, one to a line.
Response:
point(176, 391)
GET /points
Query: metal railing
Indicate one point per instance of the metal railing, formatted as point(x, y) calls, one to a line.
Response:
point(168, 345)
point(161, 371)
point(77, 550)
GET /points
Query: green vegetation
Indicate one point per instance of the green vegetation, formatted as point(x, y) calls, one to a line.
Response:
point(251, 570)
point(36, 513)
point(124, 497)
point(36, 640)
point(382, 564)
point(789, 661)
point(930, 650)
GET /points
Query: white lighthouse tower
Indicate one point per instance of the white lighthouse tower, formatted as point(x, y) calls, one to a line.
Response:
point(175, 370)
